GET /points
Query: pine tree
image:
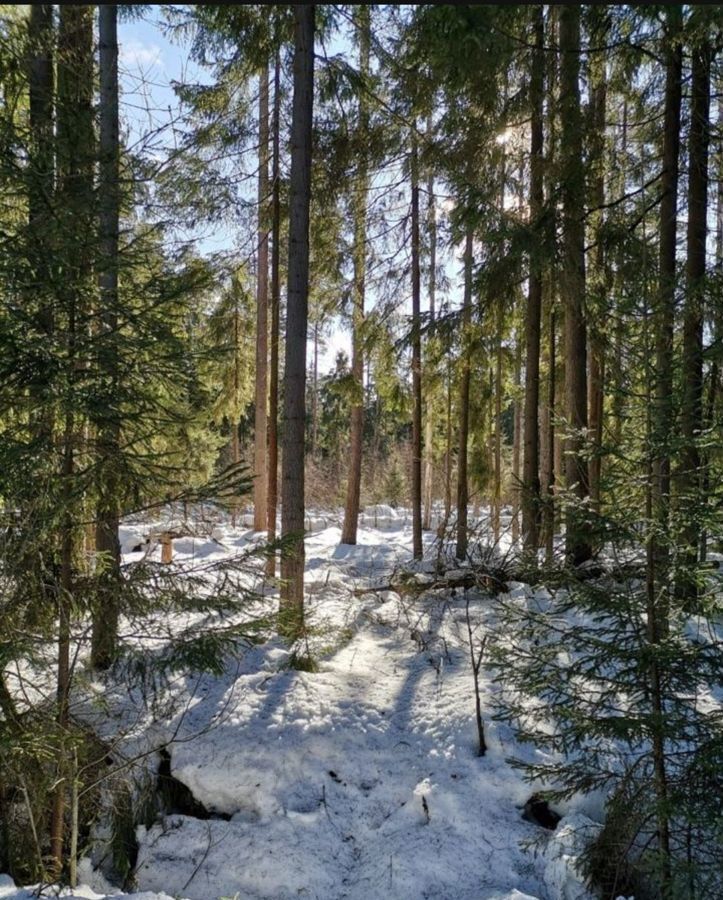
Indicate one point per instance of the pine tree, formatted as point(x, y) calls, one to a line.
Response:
point(292, 469)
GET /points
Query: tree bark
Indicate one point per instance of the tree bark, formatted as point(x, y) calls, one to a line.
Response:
point(262, 301)
point(273, 461)
point(689, 479)
point(429, 422)
point(533, 311)
point(41, 172)
point(598, 302)
point(573, 285)
point(292, 466)
point(105, 618)
point(462, 484)
point(75, 152)
point(417, 549)
point(359, 207)
point(497, 499)
point(664, 314)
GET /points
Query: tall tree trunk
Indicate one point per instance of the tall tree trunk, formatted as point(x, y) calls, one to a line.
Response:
point(662, 421)
point(497, 499)
point(41, 172)
point(273, 461)
point(262, 303)
point(429, 422)
point(292, 464)
point(359, 206)
point(548, 471)
point(517, 442)
point(533, 311)
point(598, 302)
point(462, 484)
point(417, 549)
point(689, 480)
point(75, 152)
point(105, 617)
point(573, 284)
point(315, 394)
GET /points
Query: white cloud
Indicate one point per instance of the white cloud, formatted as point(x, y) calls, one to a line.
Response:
point(135, 54)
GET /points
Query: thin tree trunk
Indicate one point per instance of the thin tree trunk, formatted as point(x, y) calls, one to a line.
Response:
point(498, 428)
point(517, 443)
point(292, 466)
point(663, 420)
point(41, 171)
point(689, 479)
point(462, 485)
point(105, 618)
point(597, 304)
point(533, 311)
point(315, 394)
point(573, 284)
point(359, 205)
point(273, 462)
point(429, 423)
point(548, 476)
point(417, 549)
point(75, 151)
point(262, 301)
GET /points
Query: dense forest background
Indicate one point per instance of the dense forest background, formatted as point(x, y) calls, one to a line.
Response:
point(514, 214)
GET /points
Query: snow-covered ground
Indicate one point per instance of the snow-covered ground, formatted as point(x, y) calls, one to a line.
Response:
point(361, 780)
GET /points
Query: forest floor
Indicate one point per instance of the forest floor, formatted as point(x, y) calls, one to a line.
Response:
point(361, 780)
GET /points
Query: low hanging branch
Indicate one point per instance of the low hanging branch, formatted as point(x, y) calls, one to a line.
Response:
point(476, 660)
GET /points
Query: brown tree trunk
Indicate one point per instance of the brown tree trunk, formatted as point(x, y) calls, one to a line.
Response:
point(417, 549)
point(689, 478)
point(292, 464)
point(462, 484)
point(533, 311)
point(75, 152)
point(429, 423)
point(598, 301)
point(663, 420)
point(106, 612)
point(573, 284)
point(548, 469)
point(41, 166)
point(517, 443)
point(359, 204)
point(273, 461)
point(262, 301)
point(497, 499)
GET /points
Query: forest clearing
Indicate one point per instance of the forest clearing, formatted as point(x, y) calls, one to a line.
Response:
point(361, 452)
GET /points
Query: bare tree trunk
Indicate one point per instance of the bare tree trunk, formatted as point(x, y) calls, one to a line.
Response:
point(75, 151)
point(292, 466)
point(689, 478)
point(548, 473)
point(41, 171)
point(429, 423)
point(598, 301)
point(516, 443)
point(359, 203)
point(315, 394)
point(462, 485)
point(533, 311)
point(106, 612)
point(573, 283)
point(497, 499)
point(417, 549)
point(664, 314)
point(262, 301)
point(273, 461)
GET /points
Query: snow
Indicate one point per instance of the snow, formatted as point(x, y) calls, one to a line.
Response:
point(359, 780)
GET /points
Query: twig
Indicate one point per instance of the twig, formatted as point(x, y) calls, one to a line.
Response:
point(476, 663)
